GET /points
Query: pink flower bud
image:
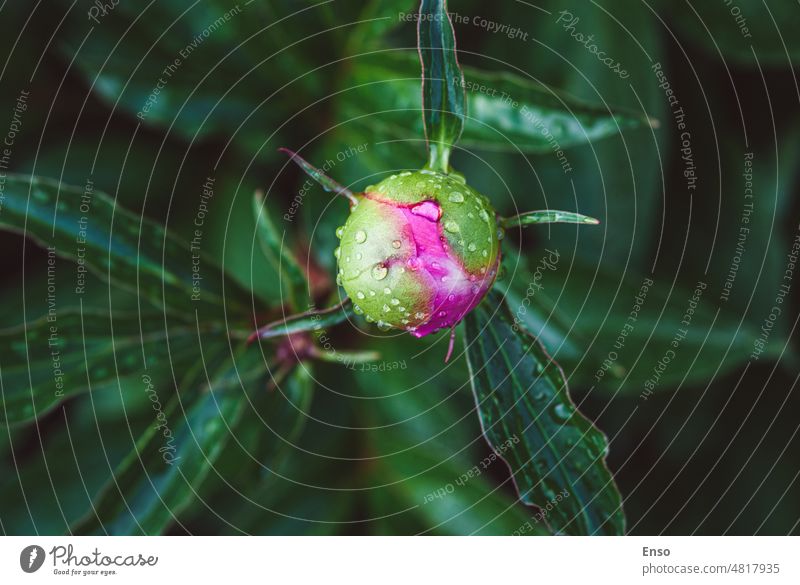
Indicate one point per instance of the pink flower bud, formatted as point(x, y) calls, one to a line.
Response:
point(419, 251)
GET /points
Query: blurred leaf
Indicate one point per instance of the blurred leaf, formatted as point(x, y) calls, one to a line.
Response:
point(530, 421)
point(200, 68)
point(161, 476)
point(506, 112)
point(49, 360)
point(131, 252)
point(276, 249)
point(743, 32)
point(308, 321)
point(286, 412)
point(611, 330)
point(450, 495)
point(443, 98)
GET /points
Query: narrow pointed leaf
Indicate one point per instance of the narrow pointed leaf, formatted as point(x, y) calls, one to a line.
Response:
point(507, 112)
point(319, 176)
point(443, 96)
point(48, 361)
point(276, 250)
point(546, 216)
point(126, 250)
point(161, 475)
point(529, 419)
point(308, 321)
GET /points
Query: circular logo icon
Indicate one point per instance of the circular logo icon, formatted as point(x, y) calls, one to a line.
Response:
point(31, 558)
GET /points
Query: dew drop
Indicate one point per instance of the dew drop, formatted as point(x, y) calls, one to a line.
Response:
point(358, 310)
point(562, 412)
point(402, 310)
point(419, 315)
point(472, 247)
point(371, 293)
point(386, 308)
point(451, 226)
point(387, 291)
point(340, 231)
point(339, 279)
point(361, 236)
point(405, 321)
point(383, 326)
point(360, 296)
point(359, 256)
point(337, 252)
point(396, 244)
point(501, 233)
point(442, 313)
point(483, 215)
point(484, 253)
point(395, 301)
point(451, 297)
point(456, 197)
point(379, 272)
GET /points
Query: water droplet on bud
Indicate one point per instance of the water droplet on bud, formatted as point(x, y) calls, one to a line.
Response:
point(396, 244)
point(337, 252)
point(360, 296)
point(379, 272)
point(451, 227)
point(340, 231)
point(456, 197)
point(361, 236)
point(562, 412)
point(472, 247)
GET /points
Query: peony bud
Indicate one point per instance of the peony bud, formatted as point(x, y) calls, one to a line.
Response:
point(419, 251)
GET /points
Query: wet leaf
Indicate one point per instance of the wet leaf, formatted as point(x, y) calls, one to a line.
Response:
point(557, 456)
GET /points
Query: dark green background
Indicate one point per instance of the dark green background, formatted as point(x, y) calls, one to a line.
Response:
point(714, 450)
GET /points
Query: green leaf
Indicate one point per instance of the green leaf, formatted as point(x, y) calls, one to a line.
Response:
point(276, 250)
point(530, 421)
point(286, 413)
point(129, 251)
point(208, 70)
point(171, 460)
point(53, 358)
point(308, 321)
point(746, 33)
point(507, 112)
point(610, 330)
point(443, 98)
point(546, 216)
